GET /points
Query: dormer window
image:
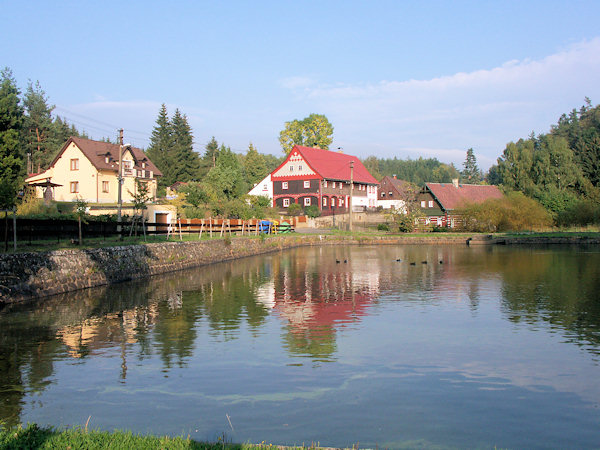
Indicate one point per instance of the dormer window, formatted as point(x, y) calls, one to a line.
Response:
point(106, 159)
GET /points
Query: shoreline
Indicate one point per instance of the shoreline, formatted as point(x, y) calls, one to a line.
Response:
point(28, 276)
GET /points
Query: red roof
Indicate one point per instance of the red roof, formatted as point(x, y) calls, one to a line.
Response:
point(334, 165)
point(451, 197)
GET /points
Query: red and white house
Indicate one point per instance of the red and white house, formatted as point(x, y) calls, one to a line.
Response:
point(313, 176)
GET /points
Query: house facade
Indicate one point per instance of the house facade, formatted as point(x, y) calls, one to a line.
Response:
point(392, 193)
point(88, 170)
point(264, 188)
point(326, 179)
point(439, 201)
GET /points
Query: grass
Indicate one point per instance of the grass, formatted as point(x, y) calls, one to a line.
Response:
point(34, 437)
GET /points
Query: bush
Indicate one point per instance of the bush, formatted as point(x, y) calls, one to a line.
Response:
point(405, 222)
point(513, 212)
point(312, 211)
point(294, 209)
point(383, 227)
point(580, 213)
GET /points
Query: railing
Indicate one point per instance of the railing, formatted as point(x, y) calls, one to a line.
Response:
point(32, 230)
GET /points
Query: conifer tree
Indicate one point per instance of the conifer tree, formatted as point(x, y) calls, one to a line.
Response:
point(255, 166)
point(471, 172)
point(186, 160)
point(161, 143)
point(11, 122)
point(38, 130)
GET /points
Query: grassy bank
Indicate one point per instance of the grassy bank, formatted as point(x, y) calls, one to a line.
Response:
point(35, 437)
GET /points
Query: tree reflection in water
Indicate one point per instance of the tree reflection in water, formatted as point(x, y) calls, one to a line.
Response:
point(314, 297)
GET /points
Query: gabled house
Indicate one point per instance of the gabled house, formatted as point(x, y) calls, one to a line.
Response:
point(439, 201)
point(264, 188)
point(392, 193)
point(313, 176)
point(88, 170)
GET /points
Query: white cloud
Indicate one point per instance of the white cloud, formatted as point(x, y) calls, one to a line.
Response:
point(483, 109)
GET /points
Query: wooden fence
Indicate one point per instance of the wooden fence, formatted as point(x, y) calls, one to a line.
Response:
point(31, 230)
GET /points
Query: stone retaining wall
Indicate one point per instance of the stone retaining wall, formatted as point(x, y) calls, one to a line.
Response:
point(30, 275)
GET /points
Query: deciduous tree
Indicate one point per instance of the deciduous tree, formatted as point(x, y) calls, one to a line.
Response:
point(310, 131)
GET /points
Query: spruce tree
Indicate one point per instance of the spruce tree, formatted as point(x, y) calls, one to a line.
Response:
point(11, 122)
point(38, 129)
point(186, 160)
point(255, 166)
point(471, 173)
point(160, 146)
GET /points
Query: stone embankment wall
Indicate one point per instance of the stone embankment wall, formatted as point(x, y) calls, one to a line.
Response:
point(30, 275)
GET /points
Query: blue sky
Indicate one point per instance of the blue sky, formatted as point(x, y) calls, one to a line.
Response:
point(396, 79)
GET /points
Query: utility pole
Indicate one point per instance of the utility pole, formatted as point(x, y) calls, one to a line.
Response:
point(120, 181)
point(351, 191)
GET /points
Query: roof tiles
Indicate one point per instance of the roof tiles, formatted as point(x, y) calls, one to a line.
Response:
point(451, 197)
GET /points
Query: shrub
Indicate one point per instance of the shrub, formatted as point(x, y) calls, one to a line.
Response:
point(312, 211)
point(513, 212)
point(294, 209)
point(383, 227)
point(580, 213)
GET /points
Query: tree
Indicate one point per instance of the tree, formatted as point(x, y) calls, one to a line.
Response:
point(255, 166)
point(471, 172)
point(81, 212)
point(11, 122)
point(160, 145)
point(38, 129)
point(186, 160)
point(227, 177)
point(312, 130)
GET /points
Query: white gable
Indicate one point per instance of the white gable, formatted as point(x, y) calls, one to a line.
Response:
point(295, 166)
point(264, 188)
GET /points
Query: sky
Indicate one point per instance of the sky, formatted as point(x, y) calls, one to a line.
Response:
point(403, 79)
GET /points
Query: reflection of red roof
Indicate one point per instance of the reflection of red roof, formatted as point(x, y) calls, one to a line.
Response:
point(451, 197)
point(335, 166)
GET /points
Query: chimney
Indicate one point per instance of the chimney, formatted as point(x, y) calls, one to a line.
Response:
point(455, 182)
point(315, 145)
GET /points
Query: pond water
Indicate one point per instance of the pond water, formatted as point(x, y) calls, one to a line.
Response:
point(340, 346)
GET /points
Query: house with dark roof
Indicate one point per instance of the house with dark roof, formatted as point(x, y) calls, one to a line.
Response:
point(88, 170)
point(439, 201)
point(393, 193)
point(326, 179)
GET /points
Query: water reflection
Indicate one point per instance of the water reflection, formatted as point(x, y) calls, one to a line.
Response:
point(305, 301)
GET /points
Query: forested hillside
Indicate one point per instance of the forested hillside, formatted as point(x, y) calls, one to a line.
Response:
point(560, 169)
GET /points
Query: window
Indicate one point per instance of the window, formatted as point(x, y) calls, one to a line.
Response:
point(341, 203)
point(307, 184)
point(286, 202)
point(324, 183)
point(299, 168)
point(105, 186)
point(128, 168)
point(291, 168)
point(423, 203)
point(324, 201)
point(284, 185)
point(383, 195)
point(75, 164)
point(306, 201)
point(431, 203)
point(340, 184)
point(390, 193)
point(333, 185)
point(74, 187)
point(106, 159)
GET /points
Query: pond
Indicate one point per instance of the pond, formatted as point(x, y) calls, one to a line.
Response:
point(389, 346)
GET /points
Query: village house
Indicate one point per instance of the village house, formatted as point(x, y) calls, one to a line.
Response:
point(393, 193)
point(314, 176)
point(264, 188)
point(439, 201)
point(88, 170)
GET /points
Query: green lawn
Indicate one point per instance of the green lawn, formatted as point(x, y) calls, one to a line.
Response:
point(35, 437)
